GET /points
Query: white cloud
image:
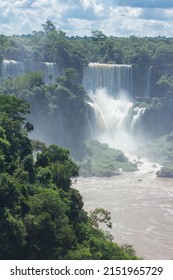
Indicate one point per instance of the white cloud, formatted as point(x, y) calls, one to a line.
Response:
point(80, 17)
point(125, 21)
point(97, 8)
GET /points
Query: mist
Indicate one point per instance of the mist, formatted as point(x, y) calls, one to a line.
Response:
point(111, 115)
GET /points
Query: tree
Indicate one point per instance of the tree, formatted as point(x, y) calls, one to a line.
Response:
point(100, 215)
point(98, 35)
point(48, 27)
point(69, 79)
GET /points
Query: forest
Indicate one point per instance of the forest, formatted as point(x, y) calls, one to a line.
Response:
point(44, 138)
point(41, 215)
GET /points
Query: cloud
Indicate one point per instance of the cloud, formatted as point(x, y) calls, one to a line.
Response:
point(80, 17)
point(23, 4)
point(126, 21)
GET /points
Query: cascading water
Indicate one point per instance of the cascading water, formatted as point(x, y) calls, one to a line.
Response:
point(148, 82)
point(110, 88)
point(116, 78)
point(137, 113)
point(108, 126)
point(50, 70)
point(11, 68)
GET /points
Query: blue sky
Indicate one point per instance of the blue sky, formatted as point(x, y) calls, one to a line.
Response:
point(80, 17)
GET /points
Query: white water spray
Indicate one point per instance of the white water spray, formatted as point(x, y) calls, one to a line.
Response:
point(137, 113)
point(112, 114)
point(110, 90)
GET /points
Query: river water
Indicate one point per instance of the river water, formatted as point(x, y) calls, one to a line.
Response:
point(141, 207)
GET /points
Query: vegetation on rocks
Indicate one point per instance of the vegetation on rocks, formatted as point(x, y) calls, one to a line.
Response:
point(100, 160)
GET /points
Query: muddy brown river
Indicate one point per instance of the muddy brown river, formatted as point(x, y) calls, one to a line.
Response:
point(141, 207)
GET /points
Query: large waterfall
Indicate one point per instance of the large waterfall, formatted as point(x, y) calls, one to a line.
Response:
point(110, 92)
point(116, 78)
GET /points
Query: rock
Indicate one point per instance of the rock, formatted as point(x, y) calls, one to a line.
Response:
point(139, 180)
point(165, 172)
point(154, 165)
point(117, 173)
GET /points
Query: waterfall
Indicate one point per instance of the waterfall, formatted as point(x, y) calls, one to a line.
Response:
point(137, 113)
point(11, 68)
point(95, 118)
point(148, 82)
point(50, 70)
point(109, 101)
point(108, 120)
point(116, 78)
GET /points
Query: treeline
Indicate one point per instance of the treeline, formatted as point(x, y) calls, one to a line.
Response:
point(54, 45)
point(41, 215)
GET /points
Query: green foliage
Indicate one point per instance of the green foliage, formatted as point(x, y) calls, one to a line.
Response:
point(100, 160)
point(165, 171)
point(62, 104)
point(52, 45)
point(100, 215)
point(128, 248)
point(26, 81)
point(160, 151)
point(48, 27)
point(165, 84)
point(98, 35)
point(13, 107)
point(69, 79)
point(41, 216)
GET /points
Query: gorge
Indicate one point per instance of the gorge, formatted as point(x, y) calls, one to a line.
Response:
point(139, 202)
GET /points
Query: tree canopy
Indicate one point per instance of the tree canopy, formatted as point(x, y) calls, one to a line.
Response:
point(41, 215)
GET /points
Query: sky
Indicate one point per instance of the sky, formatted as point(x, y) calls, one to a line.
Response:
point(80, 17)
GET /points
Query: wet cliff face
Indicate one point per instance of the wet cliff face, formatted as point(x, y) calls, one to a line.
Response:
point(151, 118)
point(144, 81)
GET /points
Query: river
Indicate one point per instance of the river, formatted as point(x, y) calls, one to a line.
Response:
point(141, 207)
